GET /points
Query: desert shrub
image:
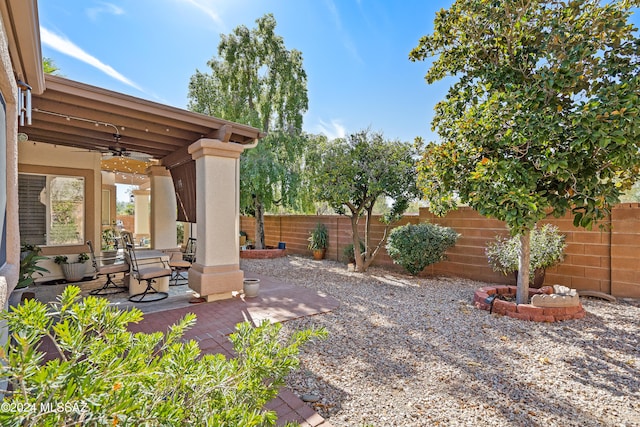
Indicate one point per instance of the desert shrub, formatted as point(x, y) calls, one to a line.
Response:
point(415, 246)
point(107, 375)
point(547, 246)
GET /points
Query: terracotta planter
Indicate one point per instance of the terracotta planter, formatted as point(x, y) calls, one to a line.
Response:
point(251, 288)
point(74, 271)
point(318, 254)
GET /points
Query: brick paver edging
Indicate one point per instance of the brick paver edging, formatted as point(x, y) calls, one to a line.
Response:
point(523, 311)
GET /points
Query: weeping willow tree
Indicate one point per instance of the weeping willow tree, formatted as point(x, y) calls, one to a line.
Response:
point(256, 80)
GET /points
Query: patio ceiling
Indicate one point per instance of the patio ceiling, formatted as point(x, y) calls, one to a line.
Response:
point(75, 114)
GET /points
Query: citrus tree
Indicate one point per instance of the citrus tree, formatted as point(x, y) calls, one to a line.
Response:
point(256, 80)
point(543, 116)
point(351, 174)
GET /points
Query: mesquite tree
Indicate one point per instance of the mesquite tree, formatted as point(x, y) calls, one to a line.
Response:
point(257, 81)
point(543, 117)
point(351, 174)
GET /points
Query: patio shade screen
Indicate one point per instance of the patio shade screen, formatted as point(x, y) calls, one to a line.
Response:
point(184, 182)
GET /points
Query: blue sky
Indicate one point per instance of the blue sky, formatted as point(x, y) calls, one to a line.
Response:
point(355, 53)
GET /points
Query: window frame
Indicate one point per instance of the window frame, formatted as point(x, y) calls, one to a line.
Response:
point(89, 202)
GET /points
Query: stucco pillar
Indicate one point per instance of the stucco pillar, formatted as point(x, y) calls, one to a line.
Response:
point(164, 212)
point(216, 272)
point(141, 209)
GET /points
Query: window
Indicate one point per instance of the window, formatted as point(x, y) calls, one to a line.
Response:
point(51, 209)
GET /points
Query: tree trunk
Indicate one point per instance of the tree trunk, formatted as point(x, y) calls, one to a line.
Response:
point(357, 255)
point(259, 212)
point(522, 294)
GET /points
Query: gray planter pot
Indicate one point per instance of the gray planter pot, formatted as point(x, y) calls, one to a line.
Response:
point(74, 271)
point(15, 297)
point(251, 288)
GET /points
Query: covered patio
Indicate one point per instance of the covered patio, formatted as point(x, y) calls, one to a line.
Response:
point(51, 126)
point(192, 168)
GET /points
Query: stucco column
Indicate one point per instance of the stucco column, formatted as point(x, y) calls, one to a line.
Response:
point(164, 211)
point(216, 272)
point(141, 209)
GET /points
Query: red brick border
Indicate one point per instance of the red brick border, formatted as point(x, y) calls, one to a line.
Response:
point(524, 311)
point(263, 253)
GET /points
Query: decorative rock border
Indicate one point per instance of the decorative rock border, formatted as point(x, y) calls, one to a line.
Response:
point(524, 311)
point(262, 253)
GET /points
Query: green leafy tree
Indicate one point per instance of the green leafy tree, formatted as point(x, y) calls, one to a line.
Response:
point(543, 116)
point(49, 66)
point(257, 81)
point(107, 375)
point(352, 174)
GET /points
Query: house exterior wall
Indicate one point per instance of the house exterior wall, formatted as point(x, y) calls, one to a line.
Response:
point(10, 268)
point(601, 260)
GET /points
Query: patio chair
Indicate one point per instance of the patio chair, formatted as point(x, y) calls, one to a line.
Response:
point(189, 253)
point(110, 269)
point(148, 273)
point(179, 266)
point(127, 237)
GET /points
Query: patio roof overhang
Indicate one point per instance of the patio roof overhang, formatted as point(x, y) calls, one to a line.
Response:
point(75, 114)
point(20, 18)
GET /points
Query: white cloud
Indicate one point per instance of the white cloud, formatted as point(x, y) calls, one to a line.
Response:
point(347, 41)
point(334, 129)
point(204, 6)
point(109, 8)
point(67, 47)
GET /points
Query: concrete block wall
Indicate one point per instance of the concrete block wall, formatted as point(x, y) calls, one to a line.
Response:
point(605, 260)
point(625, 250)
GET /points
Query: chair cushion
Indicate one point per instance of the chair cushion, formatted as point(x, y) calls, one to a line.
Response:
point(113, 268)
point(153, 272)
point(179, 264)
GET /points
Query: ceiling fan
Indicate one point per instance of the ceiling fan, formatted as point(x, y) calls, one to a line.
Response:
point(117, 151)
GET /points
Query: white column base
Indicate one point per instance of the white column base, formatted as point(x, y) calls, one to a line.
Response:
point(215, 282)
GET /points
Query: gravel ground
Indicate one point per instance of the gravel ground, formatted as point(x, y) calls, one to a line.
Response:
point(406, 351)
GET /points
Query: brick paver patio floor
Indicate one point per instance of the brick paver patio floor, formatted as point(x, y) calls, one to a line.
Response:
point(277, 302)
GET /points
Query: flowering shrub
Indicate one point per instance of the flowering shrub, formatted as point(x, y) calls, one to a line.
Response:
point(547, 249)
point(107, 375)
point(416, 246)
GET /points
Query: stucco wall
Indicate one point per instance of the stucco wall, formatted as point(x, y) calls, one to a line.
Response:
point(10, 92)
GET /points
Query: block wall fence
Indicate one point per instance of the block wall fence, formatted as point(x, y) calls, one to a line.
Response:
point(607, 261)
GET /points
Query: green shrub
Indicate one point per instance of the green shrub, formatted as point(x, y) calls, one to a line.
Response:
point(29, 258)
point(416, 246)
point(108, 375)
point(547, 249)
point(348, 254)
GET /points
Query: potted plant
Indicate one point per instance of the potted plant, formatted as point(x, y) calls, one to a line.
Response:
point(29, 258)
point(547, 250)
point(73, 271)
point(109, 245)
point(318, 241)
